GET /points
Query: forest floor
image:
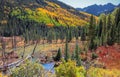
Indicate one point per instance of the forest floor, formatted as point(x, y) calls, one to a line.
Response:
point(107, 55)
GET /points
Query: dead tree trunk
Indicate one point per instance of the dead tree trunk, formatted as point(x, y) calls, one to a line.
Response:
point(14, 43)
point(3, 50)
point(34, 48)
point(23, 51)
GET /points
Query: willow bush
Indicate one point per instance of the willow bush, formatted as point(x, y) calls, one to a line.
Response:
point(69, 69)
point(28, 69)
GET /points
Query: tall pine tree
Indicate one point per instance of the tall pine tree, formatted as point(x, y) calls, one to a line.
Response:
point(77, 53)
point(67, 54)
point(91, 34)
point(58, 56)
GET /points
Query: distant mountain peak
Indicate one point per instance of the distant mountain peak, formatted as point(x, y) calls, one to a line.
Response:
point(98, 9)
point(118, 5)
point(109, 4)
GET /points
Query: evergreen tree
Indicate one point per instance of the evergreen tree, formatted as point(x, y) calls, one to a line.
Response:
point(118, 34)
point(91, 34)
point(83, 36)
point(58, 56)
point(99, 29)
point(109, 30)
point(50, 35)
point(104, 30)
point(73, 56)
point(76, 33)
point(92, 27)
point(117, 23)
point(69, 34)
point(117, 16)
point(77, 57)
point(67, 54)
point(99, 32)
point(112, 35)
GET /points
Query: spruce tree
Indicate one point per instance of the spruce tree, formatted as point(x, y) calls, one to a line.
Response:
point(99, 32)
point(67, 54)
point(103, 37)
point(83, 35)
point(70, 34)
point(77, 57)
point(58, 56)
point(118, 34)
point(76, 33)
point(117, 23)
point(73, 56)
point(50, 35)
point(109, 30)
point(117, 16)
point(91, 34)
point(113, 35)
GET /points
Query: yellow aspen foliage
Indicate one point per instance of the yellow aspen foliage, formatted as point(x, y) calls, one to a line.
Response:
point(52, 14)
point(45, 11)
point(99, 72)
point(1, 75)
point(69, 69)
point(28, 69)
point(52, 4)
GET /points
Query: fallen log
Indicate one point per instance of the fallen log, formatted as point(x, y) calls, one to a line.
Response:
point(15, 64)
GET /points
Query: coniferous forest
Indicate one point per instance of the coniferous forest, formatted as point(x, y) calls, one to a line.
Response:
point(48, 38)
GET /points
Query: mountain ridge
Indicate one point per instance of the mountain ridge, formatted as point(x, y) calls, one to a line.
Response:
point(98, 9)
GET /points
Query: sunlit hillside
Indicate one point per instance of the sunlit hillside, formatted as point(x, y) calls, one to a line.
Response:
point(50, 12)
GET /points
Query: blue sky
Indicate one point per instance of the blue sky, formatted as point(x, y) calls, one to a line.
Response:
point(84, 3)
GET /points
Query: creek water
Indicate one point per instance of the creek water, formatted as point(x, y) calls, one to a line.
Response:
point(49, 67)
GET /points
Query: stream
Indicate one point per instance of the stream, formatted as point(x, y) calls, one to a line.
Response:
point(49, 67)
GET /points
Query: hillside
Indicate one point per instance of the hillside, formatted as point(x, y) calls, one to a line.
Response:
point(50, 12)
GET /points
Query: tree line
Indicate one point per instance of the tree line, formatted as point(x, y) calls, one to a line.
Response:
point(32, 30)
point(106, 31)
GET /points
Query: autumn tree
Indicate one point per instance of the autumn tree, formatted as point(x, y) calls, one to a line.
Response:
point(28, 69)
